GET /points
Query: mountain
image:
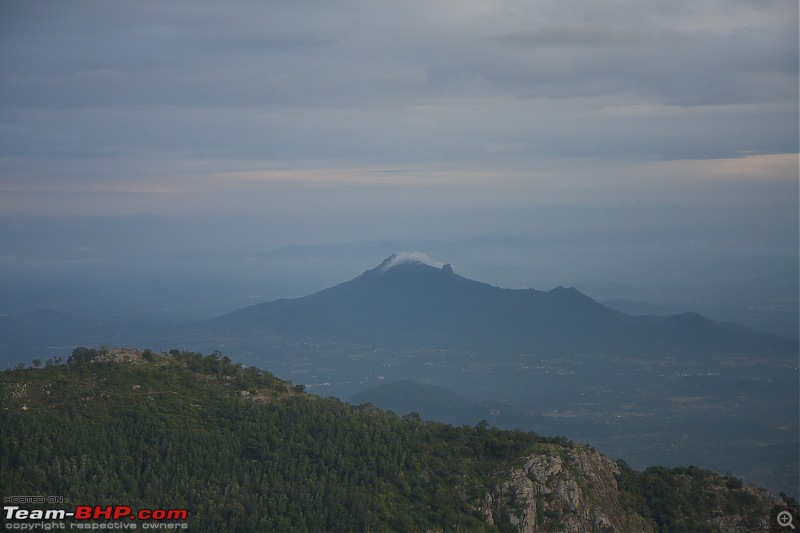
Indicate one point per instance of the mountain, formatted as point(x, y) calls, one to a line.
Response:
point(239, 450)
point(405, 302)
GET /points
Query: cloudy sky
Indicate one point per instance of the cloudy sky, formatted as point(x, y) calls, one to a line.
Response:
point(205, 126)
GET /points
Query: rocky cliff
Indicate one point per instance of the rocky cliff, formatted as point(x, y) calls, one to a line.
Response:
point(564, 490)
point(571, 488)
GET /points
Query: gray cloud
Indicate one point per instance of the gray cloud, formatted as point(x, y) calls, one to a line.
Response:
point(88, 54)
point(587, 35)
point(293, 112)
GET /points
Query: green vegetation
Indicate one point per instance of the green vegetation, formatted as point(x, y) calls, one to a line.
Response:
point(241, 449)
point(689, 499)
point(245, 451)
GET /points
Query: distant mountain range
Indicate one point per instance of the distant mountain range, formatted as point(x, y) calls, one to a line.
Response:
point(406, 302)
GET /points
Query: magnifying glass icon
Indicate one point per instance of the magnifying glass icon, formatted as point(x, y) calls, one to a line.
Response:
point(785, 519)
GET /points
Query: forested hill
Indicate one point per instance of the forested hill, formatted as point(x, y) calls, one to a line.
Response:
point(244, 451)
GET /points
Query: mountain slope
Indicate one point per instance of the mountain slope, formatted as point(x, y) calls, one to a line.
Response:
point(244, 451)
point(413, 304)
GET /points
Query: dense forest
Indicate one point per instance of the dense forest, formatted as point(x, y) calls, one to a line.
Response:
point(245, 451)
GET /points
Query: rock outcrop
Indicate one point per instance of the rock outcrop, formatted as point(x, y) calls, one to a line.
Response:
point(563, 489)
point(119, 355)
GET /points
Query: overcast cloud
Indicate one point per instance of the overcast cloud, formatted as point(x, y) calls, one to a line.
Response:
point(309, 122)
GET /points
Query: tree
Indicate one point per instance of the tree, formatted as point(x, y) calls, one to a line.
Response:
point(81, 354)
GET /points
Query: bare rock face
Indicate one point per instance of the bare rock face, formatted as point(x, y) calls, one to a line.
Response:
point(562, 489)
point(120, 355)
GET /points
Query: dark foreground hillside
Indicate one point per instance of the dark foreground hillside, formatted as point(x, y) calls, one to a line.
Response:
point(241, 450)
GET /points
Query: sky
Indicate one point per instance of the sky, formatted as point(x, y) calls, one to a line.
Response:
point(153, 137)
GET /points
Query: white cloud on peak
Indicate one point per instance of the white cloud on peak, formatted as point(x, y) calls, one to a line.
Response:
point(411, 257)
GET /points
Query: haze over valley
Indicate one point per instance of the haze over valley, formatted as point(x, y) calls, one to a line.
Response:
point(673, 390)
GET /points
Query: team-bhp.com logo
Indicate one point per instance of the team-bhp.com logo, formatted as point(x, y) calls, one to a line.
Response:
point(117, 515)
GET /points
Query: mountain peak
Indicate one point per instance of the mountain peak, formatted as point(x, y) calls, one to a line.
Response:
point(411, 258)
